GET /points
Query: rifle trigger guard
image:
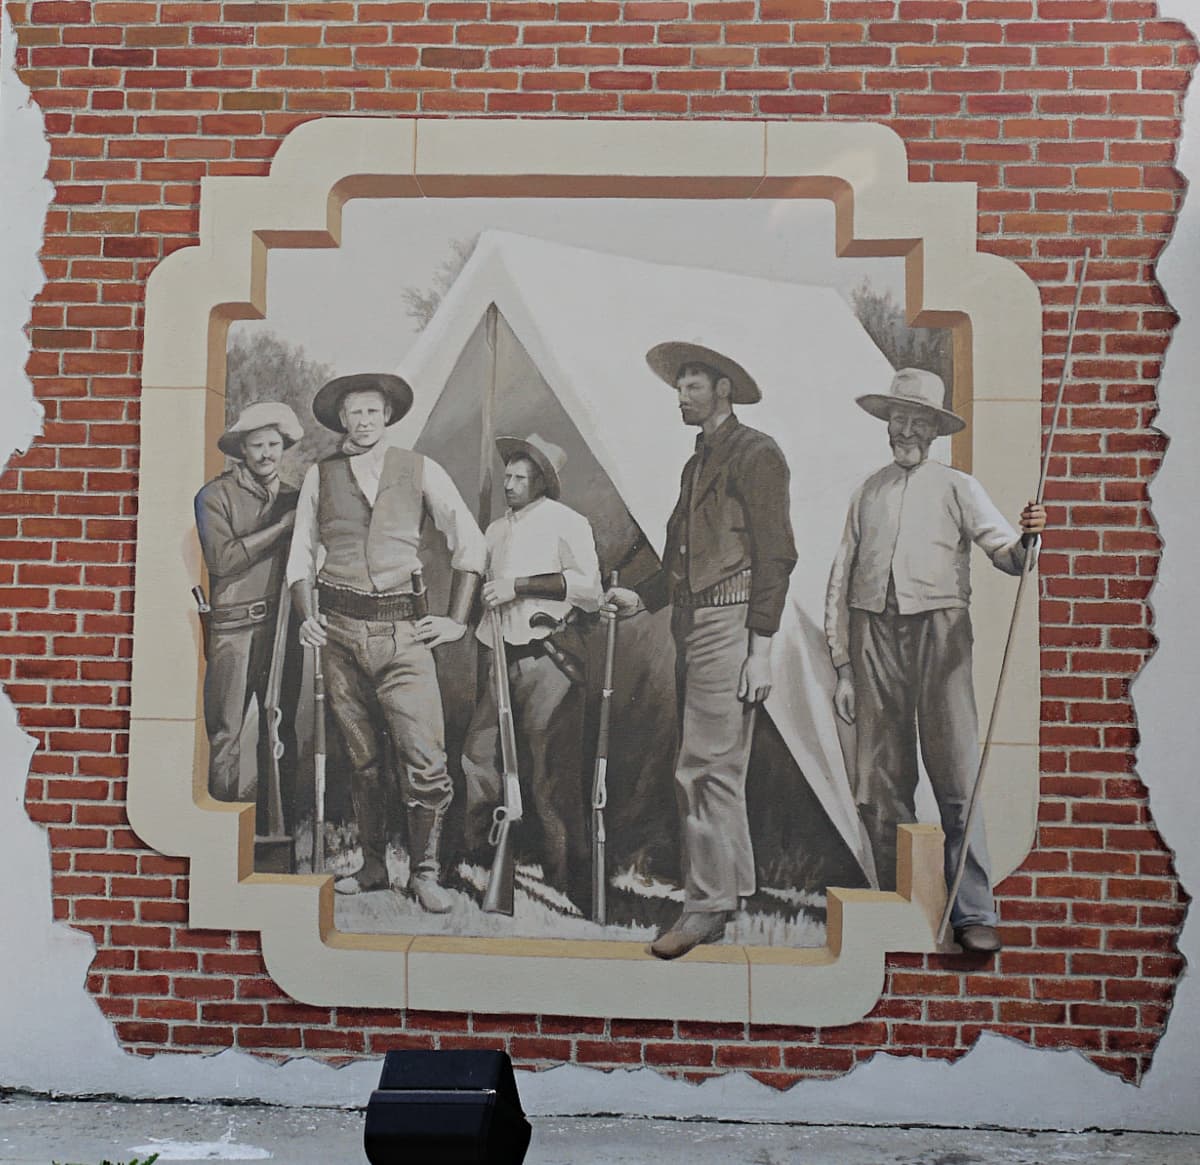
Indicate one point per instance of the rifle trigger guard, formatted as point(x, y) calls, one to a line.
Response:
point(499, 817)
point(277, 745)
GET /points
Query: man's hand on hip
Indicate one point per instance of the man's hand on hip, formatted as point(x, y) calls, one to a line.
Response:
point(434, 630)
point(498, 591)
point(843, 694)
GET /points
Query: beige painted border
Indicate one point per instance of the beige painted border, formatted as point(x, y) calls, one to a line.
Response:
point(192, 296)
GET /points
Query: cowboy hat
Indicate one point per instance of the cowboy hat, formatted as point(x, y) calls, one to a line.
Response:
point(327, 403)
point(263, 414)
point(917, 387)
point(667, 359)
point(547, 456)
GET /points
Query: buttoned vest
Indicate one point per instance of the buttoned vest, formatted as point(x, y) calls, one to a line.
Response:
point(371, 548)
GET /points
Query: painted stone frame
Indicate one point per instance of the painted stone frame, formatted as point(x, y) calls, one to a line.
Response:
point(990, 306)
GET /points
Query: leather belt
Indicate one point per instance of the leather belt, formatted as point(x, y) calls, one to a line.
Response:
point(726, 593)
point(390, 607)
point(230, 617)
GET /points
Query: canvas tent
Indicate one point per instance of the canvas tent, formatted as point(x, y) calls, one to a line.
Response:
point(553, 339)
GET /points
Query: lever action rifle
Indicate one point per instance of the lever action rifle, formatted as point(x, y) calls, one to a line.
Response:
point(498, 898)
point(600, 778)
point(276, 847)
point(319, 754)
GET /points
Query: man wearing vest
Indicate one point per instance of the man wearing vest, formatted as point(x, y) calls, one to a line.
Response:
point(244, 518)
point(899, 632)
point(728, 556)
point(362, 509)
point(541, 566)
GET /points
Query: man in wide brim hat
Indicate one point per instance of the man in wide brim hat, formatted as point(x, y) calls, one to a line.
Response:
point(397, 394)
point(727, 558)
point(541, 567)
point(668, 358)
point(265, 414)
point(357, 545)
point(244, 519)
point(548, 457)
point(898, 626)
point(918, 389)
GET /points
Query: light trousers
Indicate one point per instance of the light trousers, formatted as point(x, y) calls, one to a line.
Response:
point(716, 731)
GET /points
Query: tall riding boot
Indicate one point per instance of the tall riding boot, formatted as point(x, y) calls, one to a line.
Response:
point(367, 797)
point(424, 842)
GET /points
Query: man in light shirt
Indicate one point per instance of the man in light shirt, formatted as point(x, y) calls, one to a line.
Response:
point(358, 529)
point(541, 566)
point(899, 632)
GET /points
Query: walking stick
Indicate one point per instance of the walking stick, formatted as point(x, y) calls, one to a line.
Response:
point(319, 753)
point(973, 804)
point(600, 779)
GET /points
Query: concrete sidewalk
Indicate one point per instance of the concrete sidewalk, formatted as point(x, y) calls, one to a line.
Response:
point(36, 1131)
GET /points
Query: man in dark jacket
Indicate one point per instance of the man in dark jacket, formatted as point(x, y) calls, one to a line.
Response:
point(728, 556)
point(244, 519)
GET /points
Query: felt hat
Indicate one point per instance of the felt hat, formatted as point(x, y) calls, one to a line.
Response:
point(328, 402)
point(263, 414)
point(919, 388)
point(666, 360)
point(548, 457)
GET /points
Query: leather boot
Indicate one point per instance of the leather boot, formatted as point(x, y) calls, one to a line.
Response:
point(371, 875)
point(424, 842)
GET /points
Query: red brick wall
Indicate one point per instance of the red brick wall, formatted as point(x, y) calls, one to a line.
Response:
point(1065, 112)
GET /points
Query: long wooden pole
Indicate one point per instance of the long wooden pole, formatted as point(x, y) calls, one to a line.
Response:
point(973, 804)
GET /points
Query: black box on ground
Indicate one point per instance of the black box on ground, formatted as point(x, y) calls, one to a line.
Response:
point(446, 1108)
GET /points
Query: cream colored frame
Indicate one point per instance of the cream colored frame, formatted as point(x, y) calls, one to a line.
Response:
point(995, 313)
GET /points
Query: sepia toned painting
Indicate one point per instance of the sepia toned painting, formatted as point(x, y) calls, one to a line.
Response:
point(625, 445)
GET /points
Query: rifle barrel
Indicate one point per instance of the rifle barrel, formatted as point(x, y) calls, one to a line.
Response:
point(319, 754)
point(600, 778)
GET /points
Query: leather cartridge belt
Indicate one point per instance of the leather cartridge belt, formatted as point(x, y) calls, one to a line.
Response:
point(235, 616)
point(386, 607)
point(727, 593)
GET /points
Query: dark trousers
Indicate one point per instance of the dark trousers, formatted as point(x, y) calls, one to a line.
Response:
point(238, 666)
point(913, 685)
point(380, 678)
point(548, 717)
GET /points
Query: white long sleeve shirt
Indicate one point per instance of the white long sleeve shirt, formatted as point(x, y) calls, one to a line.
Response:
point(442, 499)
point(913, 529)
point(544, 537)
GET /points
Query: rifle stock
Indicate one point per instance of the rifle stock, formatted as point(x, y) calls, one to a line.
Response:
point(498, 898)
point(600, 778)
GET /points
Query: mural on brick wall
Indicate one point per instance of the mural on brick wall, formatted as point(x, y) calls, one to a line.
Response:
point(637, 451)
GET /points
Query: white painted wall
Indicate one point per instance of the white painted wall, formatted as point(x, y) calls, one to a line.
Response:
point(54, 1039)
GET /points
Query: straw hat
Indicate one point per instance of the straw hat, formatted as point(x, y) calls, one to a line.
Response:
point(667, 359)
point(327, 403)
point(263, 414)
point(914, 386)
